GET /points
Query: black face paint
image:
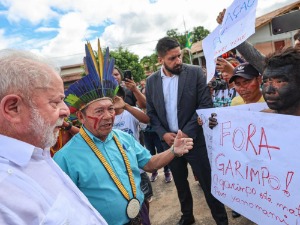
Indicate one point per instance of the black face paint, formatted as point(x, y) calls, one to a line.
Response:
point(280, 89)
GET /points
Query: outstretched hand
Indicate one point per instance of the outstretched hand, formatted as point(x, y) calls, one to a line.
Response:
point(212, 121)
point(182, 145)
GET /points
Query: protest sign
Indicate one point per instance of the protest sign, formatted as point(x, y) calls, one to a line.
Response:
point(255, 165)
point(238, 24)
point(204, 114)
point(258, 106)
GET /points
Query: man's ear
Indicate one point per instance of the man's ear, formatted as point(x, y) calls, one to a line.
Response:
point(80, 116)
point(160, 60)
point(10, 107)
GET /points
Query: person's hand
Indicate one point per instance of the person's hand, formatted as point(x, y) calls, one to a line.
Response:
point(184, 135)
point(199, 120)
point(210, 82)
point(221, 16)
point(224, 66)
point(119, 102)
point(182, 145)
point(169, 138)
point(131, 85)
point(212, 121)
point(65, 123)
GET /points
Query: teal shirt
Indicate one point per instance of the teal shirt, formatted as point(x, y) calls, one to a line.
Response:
point(78, 161)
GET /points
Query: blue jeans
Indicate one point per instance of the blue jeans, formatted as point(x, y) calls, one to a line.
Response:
point(153, 144)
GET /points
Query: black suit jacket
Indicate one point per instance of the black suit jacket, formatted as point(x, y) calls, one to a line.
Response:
point(193, 93)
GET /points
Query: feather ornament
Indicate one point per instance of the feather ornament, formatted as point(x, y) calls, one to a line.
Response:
point(98, 83)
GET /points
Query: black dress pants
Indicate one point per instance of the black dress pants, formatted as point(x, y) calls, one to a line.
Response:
point(199, 162)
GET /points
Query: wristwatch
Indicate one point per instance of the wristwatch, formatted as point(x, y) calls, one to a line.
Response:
point(174, 153)
point(69, 126)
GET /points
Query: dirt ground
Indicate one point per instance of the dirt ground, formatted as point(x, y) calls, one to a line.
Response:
point(165, 209)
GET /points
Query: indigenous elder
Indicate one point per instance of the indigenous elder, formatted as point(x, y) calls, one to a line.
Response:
point(33, 189)
point(173, 94)
point(103, 162)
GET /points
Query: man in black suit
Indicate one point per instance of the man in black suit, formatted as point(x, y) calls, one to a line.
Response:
point(173, 94)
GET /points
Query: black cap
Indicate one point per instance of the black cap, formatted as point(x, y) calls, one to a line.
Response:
point(244, 70)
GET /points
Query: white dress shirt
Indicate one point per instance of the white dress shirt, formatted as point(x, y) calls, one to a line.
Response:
point(34, 190)
point(170, 89)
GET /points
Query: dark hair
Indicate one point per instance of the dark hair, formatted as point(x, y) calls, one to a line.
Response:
point(297, 35)
point(284, 57)
point(166, 44)
point(287, 56)
point(120, 71)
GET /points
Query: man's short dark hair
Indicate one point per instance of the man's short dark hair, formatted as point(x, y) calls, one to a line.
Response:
point(166, 44)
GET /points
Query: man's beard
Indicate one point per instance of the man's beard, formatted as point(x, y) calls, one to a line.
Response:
point(176, 70)
point(42, 129)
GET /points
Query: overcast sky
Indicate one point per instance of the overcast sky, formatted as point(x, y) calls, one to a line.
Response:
point(58, 29)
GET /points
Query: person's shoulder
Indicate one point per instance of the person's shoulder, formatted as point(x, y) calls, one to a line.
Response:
point(237, 100)
point(192, 69)
point(261, 99)
point(153, 75)
point(120, 133)
point(191, 66)
point(124, 137)
point(71, 146)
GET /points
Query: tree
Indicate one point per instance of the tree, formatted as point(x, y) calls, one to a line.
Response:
point(150, 63)
point(126, 60)
point(181, 38)
point(199, 33)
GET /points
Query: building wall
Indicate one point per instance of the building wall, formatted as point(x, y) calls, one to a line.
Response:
point(70, 74)
point(264, 40)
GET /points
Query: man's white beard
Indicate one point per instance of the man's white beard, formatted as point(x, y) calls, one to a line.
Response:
point(42, 129)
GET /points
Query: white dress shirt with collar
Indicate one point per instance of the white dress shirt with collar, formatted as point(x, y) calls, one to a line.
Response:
point(170, 89)
point(34, 190)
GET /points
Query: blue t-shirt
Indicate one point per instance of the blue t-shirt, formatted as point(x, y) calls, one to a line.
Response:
point(78, 160)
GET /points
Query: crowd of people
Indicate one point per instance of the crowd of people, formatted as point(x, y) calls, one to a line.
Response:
point(99, 167)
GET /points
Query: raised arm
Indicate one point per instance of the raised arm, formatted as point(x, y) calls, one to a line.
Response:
point(141, 99)
point(247, 50)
